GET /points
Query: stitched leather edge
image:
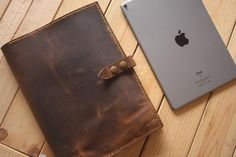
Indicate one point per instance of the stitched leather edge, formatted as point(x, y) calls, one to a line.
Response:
point(155, 115)
point(123, 54)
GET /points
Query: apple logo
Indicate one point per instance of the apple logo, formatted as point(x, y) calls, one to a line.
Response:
point(126, 7)
point(181, 40)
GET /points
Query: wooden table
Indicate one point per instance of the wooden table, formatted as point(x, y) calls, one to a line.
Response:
point(205, 128)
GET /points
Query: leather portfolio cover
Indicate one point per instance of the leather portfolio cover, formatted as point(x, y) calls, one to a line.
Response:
point(80, 114)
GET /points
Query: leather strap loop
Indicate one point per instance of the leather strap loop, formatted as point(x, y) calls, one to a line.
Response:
point(117, 68)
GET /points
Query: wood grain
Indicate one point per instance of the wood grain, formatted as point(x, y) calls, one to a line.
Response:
point(179, 129)
point(12, 19)
point(39, 14)
point(180, 126)
point(8, 26)
point(216, 135)
point(7, 152)
point(8, 87)
point(3, 6)
point(23, 131)
point(223, 14)
point(148, 79)
point(70, 5)
point(232, 44)
point(120, 27)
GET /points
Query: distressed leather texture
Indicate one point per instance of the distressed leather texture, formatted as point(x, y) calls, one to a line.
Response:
point(80, 114)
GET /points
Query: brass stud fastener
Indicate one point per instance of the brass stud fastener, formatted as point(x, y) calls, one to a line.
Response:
point(114, 69)
point(123, 65)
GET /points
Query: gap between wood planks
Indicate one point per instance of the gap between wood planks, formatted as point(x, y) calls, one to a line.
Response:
point(4, 8)
point(22, 19)
point(210, 95)
point(18, 151)
point(206, 103)
point(11, 152)
point(234, 152)
point(1, 57)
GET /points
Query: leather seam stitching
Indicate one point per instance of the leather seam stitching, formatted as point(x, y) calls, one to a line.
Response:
point(155, 115)
point(123, 54)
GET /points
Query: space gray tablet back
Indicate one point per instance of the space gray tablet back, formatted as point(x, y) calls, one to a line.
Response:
point(182, 46)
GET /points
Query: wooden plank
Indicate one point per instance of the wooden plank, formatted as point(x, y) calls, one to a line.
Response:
point(69, 5)
point(223, 14)
point(216, 135)
point(8, 26)
point(39, 14)
point(217, 132)
point(120, 27)
point(147, 78)
point(11, 19)
point(7, 152)
point(29, 138)
point(23, 131)
point(180, 126)
point(7, 88)
point(232, 43)
point(179, 129)
point(3, 5)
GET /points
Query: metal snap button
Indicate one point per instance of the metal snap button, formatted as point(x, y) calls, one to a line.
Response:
point(123, 64)
point(114, 69)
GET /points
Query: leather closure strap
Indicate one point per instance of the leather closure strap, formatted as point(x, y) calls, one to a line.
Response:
point(117, 68)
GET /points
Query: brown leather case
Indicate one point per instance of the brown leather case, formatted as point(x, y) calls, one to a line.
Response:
point(80, 114)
